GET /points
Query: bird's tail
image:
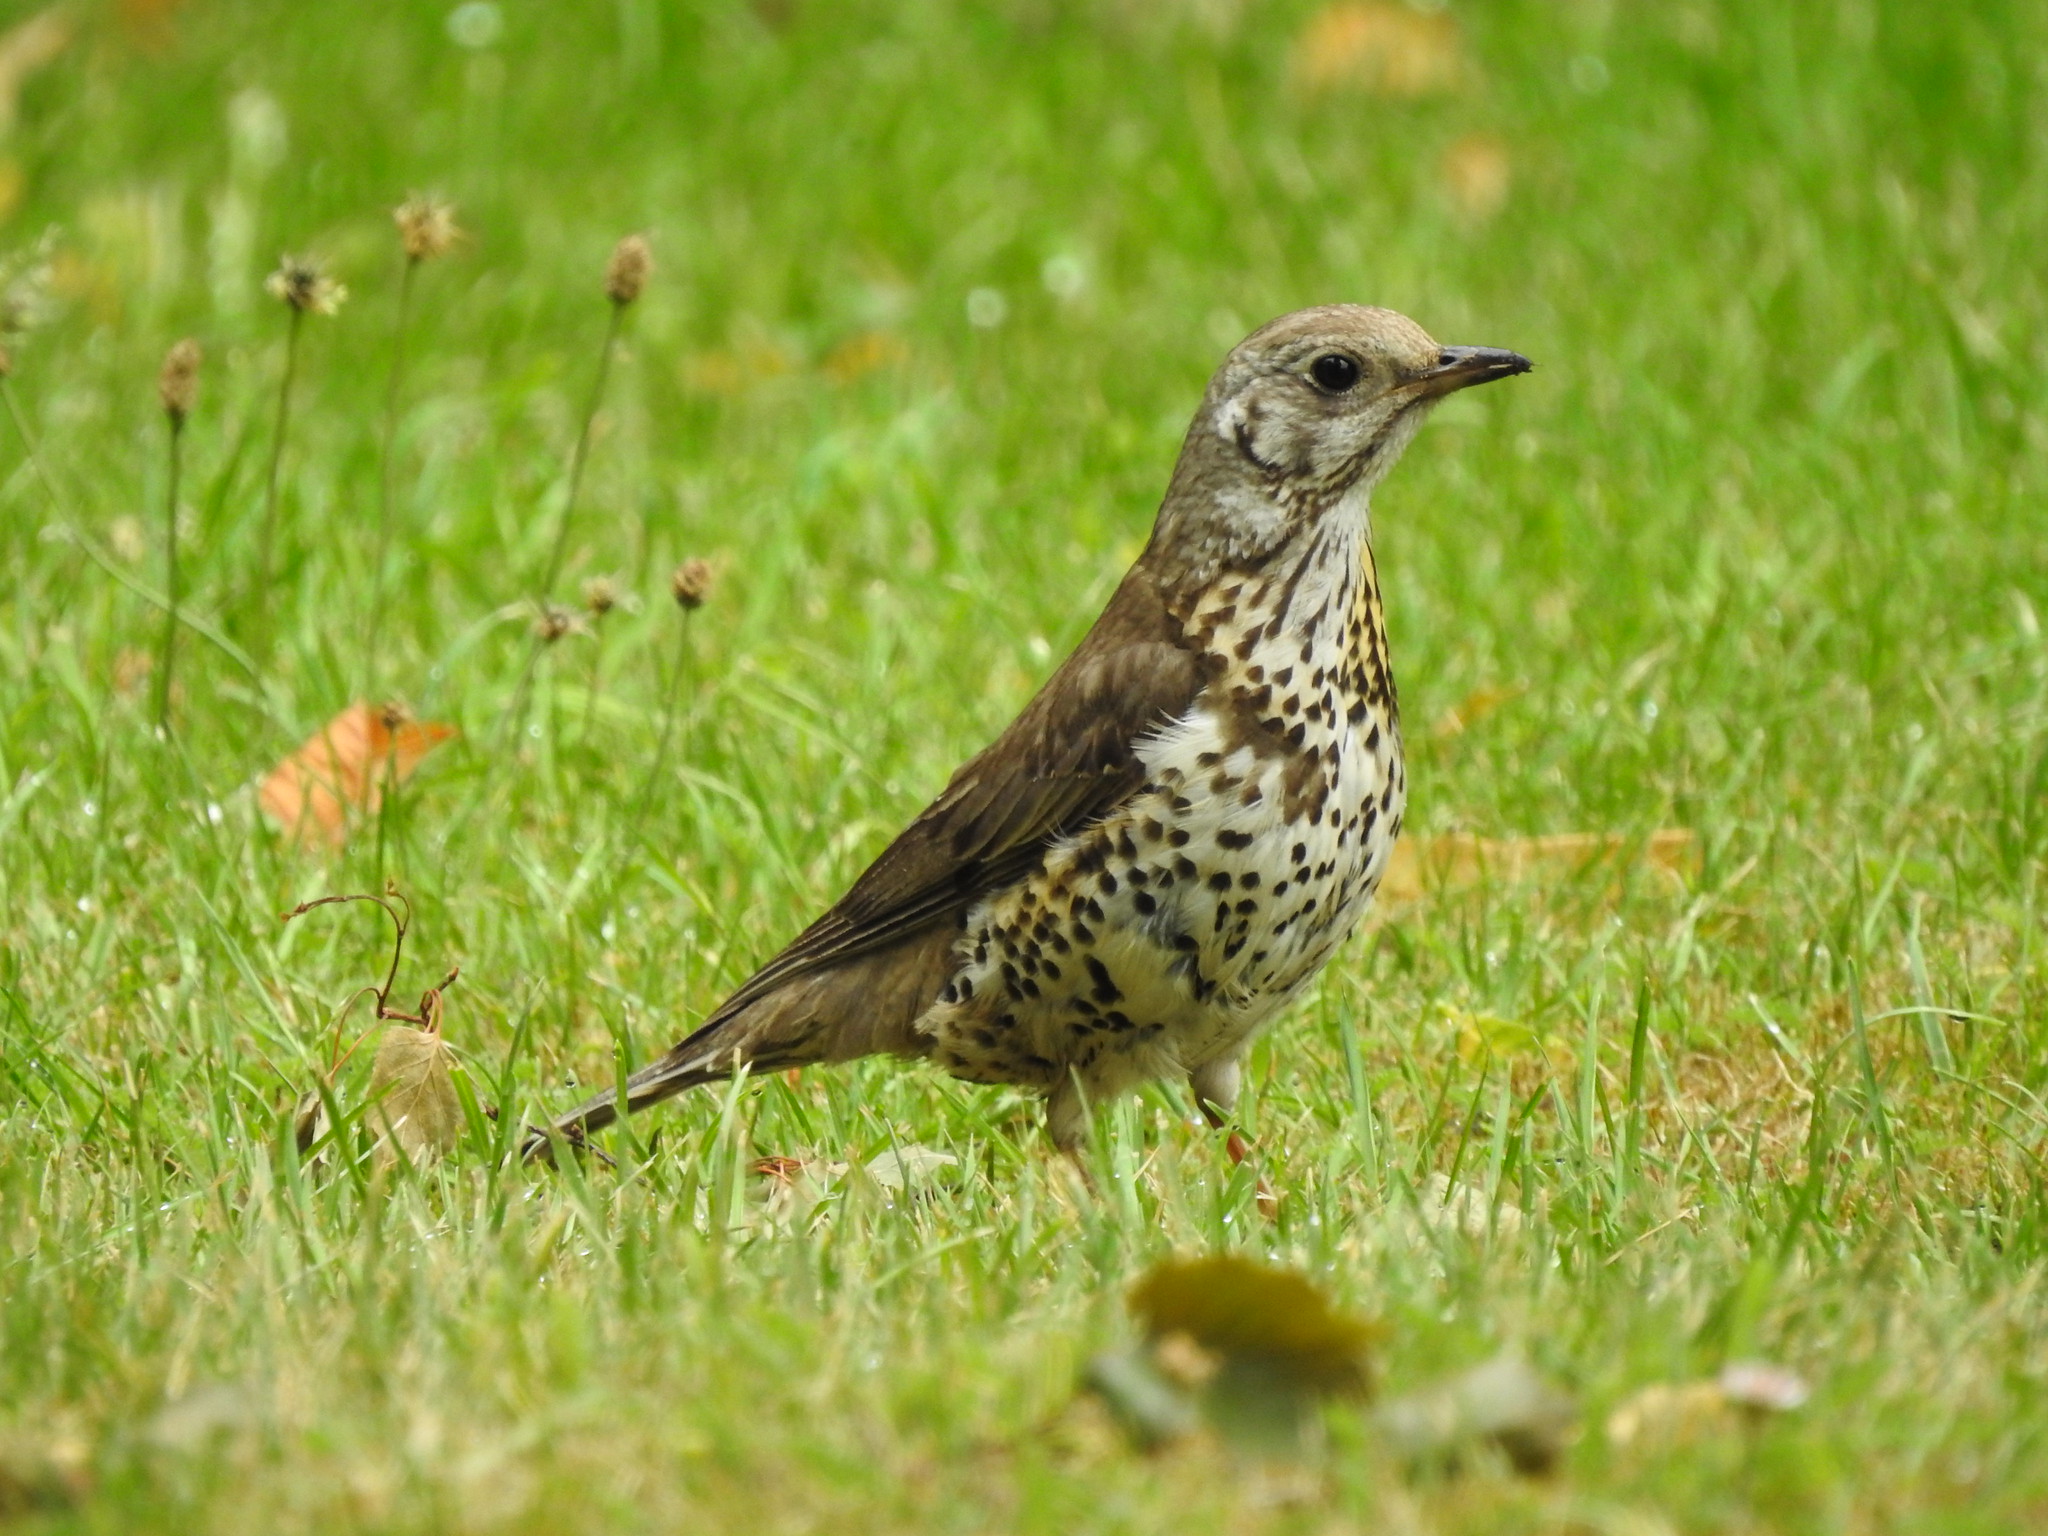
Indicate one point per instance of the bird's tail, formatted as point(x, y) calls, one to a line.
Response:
point(867, 1005)
point(697, 1060)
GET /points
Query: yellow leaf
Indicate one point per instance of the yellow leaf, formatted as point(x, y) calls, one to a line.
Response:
point(1245, 1310)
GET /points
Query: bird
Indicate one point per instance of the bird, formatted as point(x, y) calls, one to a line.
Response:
point(1179, 829)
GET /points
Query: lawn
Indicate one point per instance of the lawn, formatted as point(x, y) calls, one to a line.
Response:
point(1756, 555)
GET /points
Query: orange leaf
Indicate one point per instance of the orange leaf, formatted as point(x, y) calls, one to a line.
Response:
point(1475, 707)
point(344, 766)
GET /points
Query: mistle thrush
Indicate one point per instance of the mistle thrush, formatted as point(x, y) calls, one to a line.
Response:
point(1178, 831)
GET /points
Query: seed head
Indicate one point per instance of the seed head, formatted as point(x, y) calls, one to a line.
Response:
point(691, 584)
point(626, 273)
point(601, 594)
point(177, 383)
point(426, 226)
point(302, 283)
point(553, 622)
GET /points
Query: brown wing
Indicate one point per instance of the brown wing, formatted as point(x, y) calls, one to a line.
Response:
point(856, 980)
point(1065, 761)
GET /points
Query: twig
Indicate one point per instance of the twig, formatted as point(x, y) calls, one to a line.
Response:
point(429, 1016)
point(163, 678)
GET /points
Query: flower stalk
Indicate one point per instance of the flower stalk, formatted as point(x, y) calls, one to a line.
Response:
point(177, 391)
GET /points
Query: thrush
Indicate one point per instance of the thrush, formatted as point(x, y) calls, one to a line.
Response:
point(1178, 831)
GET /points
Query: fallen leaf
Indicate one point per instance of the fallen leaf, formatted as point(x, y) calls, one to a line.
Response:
point(26, 48)
point(309, 1120)
point(1504, 1403)
point(1240, 1309)
point(908, 1167)
point(735, 370)
point(860, 355)
point(1244, 1347)
point(1153, 1410)
point(1761, 1386)
point(1668, 1414)
point(1461, 1207)
point(1477, 174)
point(132, 667)
point(1475, 707)
point(197, 1419)
point(1381, 47)
point(1460, 861)
point(41, 1475)
point(412, 1096)
point(346, 765)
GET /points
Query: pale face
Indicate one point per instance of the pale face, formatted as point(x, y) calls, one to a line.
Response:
point(1323, 397)
point(1304, 416)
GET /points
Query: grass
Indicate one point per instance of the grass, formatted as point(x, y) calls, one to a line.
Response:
point(1756, 551)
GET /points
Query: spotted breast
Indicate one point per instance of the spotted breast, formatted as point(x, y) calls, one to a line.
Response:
point(1159, 939)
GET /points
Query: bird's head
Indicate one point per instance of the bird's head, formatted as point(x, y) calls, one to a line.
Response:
point(1307, 409)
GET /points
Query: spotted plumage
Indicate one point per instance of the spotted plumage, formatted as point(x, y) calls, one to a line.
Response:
point(1178, 831)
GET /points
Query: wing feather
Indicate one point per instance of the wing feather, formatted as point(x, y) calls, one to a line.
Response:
point(1067, 760)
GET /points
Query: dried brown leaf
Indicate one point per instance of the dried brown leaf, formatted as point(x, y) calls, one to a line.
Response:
point(1666, 1415)
point(1460, 861)
point(1475, 707)
point(346, 765)
point(413, 1100)
point(735, 370)
point(1504, 1403)
point(862, 354)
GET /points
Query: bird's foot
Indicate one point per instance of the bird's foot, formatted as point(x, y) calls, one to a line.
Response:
point(1267, 1202)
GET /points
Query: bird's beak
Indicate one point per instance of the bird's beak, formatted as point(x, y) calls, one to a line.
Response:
point(1460, 367)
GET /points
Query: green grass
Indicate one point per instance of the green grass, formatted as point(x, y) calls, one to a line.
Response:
point(1760, 544)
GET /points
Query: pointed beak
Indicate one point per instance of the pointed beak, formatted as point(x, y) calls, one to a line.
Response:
point(1461, 367)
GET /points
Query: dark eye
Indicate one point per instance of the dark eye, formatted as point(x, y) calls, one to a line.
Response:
point(1334, 372)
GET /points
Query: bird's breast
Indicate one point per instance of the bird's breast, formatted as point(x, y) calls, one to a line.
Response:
point(1161, 936)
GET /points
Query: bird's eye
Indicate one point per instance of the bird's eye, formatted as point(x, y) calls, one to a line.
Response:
point(1335, 372)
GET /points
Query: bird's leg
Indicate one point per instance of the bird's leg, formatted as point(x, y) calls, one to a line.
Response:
point(1215, 1087)
point(1066, 1123)
point(1235, 1144)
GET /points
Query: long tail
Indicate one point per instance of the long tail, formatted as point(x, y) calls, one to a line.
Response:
point(695, 1061)
point(867, 1005)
